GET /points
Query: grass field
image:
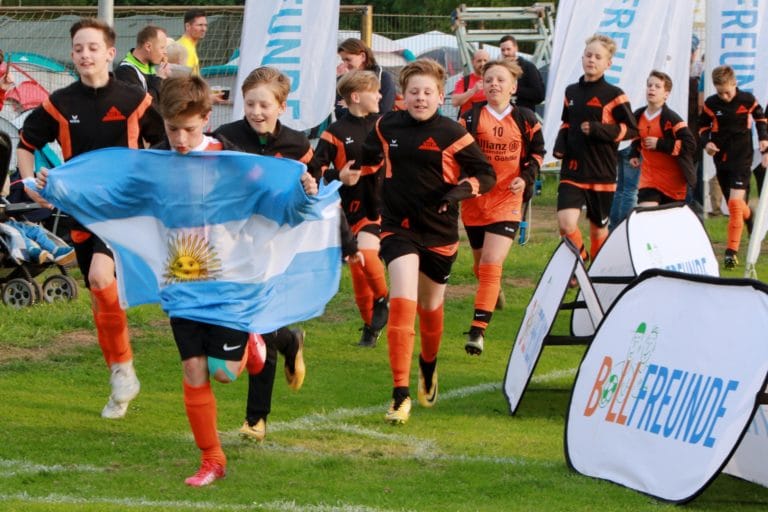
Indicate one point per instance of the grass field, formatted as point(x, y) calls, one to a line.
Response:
point(328, 447)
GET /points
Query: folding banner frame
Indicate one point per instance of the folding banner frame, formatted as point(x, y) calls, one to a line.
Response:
point(540, 315)
point(661, 403)
point(670, 237)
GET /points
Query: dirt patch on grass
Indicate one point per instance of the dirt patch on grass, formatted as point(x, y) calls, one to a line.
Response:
point(63, 344)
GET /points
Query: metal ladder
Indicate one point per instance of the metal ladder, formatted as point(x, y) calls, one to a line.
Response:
point(469, 25)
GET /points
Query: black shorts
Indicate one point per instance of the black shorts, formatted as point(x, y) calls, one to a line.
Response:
point(373, 228)
point(85, 251)
point(598, 203)
point(646, 195)
point(729, 178)
point(435, 266)
point(195, 339)
point(476, 234)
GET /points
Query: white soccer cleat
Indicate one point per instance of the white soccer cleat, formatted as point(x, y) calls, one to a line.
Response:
point(125, 387)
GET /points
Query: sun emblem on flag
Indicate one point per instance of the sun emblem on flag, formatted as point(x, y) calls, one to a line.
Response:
point(190, 258)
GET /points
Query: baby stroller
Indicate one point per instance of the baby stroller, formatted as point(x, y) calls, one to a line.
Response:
point(19, 288)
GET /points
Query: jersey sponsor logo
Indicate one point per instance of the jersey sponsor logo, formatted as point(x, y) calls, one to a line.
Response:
point(667, 125)
point(605, 221)
point(719, 113)
point(393, 143)
point(429, 145)
point(742, 110)
point(406, 224)
point(227, 348)
point(594, 102)
point(349, 140)
point(113, 115)
point(74, 119)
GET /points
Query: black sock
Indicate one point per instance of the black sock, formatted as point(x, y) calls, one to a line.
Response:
point(427, 370)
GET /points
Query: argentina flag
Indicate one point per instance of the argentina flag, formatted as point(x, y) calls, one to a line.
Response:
point(221, 237)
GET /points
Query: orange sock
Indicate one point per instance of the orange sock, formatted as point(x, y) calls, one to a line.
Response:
point(578, 242)
point(363, 293)
point(597, 237)
point(400, 335)
point(111, 325)
point(374, 273)
point(487, 294)
point(201, 412)
point(431, 330)
point(737, 212)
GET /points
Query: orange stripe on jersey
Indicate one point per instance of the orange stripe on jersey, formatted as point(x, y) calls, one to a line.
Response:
point(307, 157)
point(385, 150)
point(65, 140)
point(340, 158)
point(608, 108)
point(357, 226)
point(597, 187)
point(715, 126)
point(679, 126)
point(445, 250)
point(133, 130)
point(367, 170)
point(451, 168)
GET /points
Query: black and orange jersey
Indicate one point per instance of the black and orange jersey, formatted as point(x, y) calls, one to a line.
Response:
point(729, 126)
point(285, 142)
point(514, 145)
point(339, 144)
point(83, 119)
point(424, 163)
point(589, 161)
point(668, 168)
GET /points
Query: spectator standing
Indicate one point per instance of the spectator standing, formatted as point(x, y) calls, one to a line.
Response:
point(469, 89)
point(355, 54)
point(195, 27)
point(530, 86)
point(146, 65)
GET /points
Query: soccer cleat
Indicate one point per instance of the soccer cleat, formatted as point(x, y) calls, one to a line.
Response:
point(255, 432)
point(398, 414)
point(64, 255)
point(256, 354)
point(730, 261)
point(380, 313)
point(295, 372)
point(208, 473)
point(369, 337)
point(501, 301)
point(474, 344)
point(427, 395)
point(125, 387)
point(750, 222)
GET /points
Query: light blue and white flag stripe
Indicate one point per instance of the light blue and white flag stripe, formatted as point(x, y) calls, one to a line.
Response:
point(221, 237)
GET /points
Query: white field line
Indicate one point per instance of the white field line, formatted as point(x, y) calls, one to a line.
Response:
point(286, 506)
point(343, 413)
point(11, 468)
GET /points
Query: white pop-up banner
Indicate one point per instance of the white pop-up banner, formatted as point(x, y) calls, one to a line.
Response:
point(540, 315)
point(652, 34)
point(662, 398)
point(299, 39)
point(749, 461)
point(669, 237)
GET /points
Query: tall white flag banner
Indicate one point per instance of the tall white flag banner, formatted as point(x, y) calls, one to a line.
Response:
point(299, 39)
point(652, 34)
point(737, 36)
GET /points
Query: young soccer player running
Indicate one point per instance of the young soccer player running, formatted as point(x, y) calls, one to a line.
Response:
point(511, 138)
point(341, 145)
point(265, 92)
point(430, 164)
point(95, 112)
point(725, 128)
point(596, 117)
point(666, 145)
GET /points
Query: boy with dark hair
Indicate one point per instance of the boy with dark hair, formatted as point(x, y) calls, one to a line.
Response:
point(666, 146)
point(596, 117)
point(95, 112)
point(341, 144)
point(725, 129)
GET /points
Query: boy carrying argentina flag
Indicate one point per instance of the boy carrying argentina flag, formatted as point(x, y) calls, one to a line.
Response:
point(228, 243)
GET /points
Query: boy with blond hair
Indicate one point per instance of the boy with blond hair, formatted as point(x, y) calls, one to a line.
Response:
point(341, 145)
point(596, 117)
point(725, 129)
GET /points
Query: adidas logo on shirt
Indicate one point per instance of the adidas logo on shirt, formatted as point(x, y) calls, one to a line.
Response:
point(113, 115)
point(429, 145)
point(594, 102)
point(742, 110)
